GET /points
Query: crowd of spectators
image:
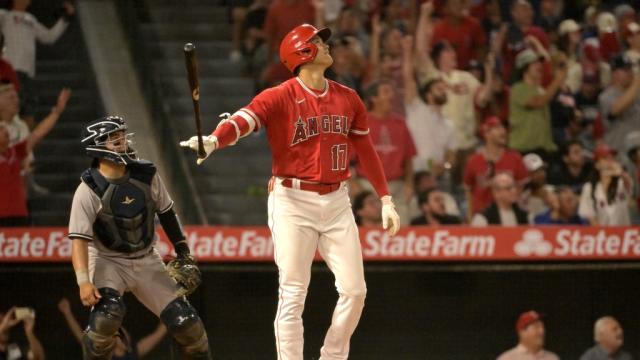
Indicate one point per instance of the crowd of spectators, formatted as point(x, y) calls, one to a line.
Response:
point(547, 91)
point(20, 31)
point(608, 336)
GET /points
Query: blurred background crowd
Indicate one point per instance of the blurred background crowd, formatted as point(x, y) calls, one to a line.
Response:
point(545, 94)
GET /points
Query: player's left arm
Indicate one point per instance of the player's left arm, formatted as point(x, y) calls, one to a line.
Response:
point(168, 217)
point(371, 165)
point(183, 269)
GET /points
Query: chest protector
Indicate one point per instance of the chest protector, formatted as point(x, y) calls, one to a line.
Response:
point(126, 221)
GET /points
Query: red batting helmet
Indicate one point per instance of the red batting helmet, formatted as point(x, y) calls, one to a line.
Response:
point(296, 47)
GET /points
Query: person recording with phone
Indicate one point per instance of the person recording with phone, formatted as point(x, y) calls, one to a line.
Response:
point(13, 351)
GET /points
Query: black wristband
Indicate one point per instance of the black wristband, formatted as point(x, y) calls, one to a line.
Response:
point(173, 229)
point(181, 248)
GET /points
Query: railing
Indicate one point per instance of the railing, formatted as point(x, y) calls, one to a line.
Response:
point(189, 204)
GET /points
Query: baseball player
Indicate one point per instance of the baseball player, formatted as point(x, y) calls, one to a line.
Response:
point(112, 229)
point(311, 123)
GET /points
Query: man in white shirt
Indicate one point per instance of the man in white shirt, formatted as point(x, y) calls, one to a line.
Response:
point(432, 132)
point(21, 31)
point(464, 91)
point(531, 335)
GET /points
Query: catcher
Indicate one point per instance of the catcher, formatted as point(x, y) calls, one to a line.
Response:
point(112, 231)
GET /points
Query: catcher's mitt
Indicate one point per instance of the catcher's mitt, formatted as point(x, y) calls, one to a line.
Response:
point(185, 272)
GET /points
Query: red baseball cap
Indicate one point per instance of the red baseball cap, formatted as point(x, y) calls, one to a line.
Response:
point(489, 123)
point(603, 150)
point(527, 318)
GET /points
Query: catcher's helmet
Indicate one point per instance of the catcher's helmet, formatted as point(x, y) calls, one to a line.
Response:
point(296, 48)
point(96, 135)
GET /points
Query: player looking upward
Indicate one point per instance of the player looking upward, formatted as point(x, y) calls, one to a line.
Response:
point(310, 122)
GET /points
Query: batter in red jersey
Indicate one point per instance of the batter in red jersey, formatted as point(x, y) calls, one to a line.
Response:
point(310, 121)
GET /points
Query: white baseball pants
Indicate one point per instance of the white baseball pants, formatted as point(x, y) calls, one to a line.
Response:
point(302, 222)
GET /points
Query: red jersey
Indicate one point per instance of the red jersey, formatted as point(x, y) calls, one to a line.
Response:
point(309, 131)
point(478, 173)
point(467, 37)
point(13, 197)
point(393, 143)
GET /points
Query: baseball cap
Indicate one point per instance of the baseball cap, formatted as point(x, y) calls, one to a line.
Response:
point(620, 62)
point(568, 26)
point(489, 123)
point(603, 150)
point(533, 162)
point(526, 57)
point(527, 318)
point(631, 29)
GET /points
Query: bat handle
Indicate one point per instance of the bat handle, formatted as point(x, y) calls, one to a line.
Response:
point(201, 152)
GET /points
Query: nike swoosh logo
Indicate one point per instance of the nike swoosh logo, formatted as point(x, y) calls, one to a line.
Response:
point(300, 101)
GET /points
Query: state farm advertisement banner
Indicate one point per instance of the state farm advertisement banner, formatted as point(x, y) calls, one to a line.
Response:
point(235, 244)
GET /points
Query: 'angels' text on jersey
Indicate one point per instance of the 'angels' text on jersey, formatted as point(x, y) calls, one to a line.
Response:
point(309, 127)
point(309, 130)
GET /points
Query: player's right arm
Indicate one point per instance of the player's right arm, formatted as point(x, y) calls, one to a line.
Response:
point(83, 214)
point(239, 124)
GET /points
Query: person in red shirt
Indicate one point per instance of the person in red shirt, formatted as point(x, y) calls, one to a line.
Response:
point(488, 161)
point(7, 72)
point(310, 122)
point(393, 143)
point(462, 31)
point(13, 197)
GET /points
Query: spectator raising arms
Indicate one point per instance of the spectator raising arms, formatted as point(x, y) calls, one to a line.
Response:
point(13, 351)
point(13, 202)
point(431, 130)
point(464, 91)
point(21, 31)
point(529, 105)
point(462, 31)
point(125, 349)
point(620, 102)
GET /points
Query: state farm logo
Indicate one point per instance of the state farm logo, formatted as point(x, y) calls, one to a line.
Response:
point(532, 243)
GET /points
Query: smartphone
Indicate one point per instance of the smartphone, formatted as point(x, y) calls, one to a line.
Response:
point(25, 312)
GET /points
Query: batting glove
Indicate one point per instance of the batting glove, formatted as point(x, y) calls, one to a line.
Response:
point(390, 218)
point(210, 143)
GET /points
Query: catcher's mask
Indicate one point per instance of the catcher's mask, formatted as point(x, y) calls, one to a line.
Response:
point(107, 138)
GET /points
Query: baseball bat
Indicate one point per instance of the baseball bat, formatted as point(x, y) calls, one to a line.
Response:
point(192, 72)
